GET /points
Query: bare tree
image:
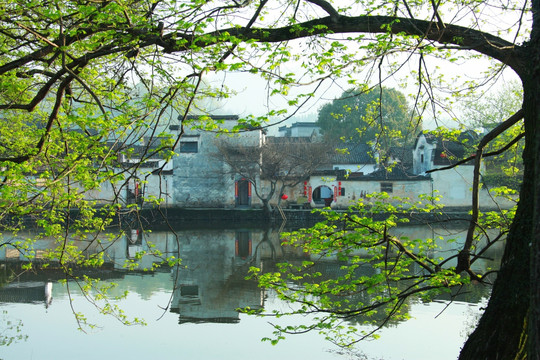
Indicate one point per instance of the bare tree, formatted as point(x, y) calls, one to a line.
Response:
point(278, 164)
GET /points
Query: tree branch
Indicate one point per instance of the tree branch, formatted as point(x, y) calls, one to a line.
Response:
point(464, 262)
point(52, 117)
point(326, 6)
point(463, 37)
point(512, 120)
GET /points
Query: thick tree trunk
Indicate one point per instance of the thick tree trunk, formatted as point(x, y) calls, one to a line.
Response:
point(502, 330)
point(509, 321)
point(534, 307)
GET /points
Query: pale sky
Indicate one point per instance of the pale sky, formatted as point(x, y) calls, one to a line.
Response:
point(252, 91)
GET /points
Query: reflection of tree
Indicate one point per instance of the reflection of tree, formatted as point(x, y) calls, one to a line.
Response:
point(11, 331)
point(267, 242)
point(354, 270)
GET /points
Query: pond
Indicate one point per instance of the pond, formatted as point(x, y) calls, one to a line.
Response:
point(191, 311)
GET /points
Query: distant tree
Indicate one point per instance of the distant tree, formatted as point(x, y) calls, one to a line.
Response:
point(380, 115)
point(278, 164)
point(486, 111)
point(484, 114)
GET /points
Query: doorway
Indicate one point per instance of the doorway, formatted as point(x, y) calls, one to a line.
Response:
point(243, 192)
point(323, 195)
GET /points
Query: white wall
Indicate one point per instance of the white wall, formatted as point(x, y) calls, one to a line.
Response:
point(453, 186)
point(363, 168)
point(422, 156)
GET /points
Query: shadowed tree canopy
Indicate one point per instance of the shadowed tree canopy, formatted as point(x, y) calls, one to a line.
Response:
point(68, 69)
point(380, 115)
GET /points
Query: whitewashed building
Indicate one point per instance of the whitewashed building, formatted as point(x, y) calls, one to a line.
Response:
point(402, 180)
point(197, 178)
point(300, 129)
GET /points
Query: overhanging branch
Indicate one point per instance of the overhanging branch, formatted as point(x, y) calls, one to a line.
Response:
point(462, 37)
point(505, 125)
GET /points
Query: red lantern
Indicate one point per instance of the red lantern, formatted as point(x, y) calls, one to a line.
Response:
point(284, 197)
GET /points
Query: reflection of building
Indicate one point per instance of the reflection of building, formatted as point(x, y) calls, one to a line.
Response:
point(37, 286)
point(212, 283)
point(216, 302)
point(243, 244)
point(27, 292)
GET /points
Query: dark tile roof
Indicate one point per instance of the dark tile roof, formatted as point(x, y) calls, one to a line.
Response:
point(404, 155)
point(304, 124)
point(213, 117)
point(288, 140)
point(150, 149)
point(397, 173)
point(355, 154)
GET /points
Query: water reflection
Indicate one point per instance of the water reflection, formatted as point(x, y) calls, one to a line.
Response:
point(209, 286)
point(211, 281)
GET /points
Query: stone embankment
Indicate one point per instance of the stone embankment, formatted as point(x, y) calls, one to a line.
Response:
point(213, 217)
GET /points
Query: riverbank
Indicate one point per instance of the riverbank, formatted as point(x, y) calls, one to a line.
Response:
point(199, 218)
point(214, 217)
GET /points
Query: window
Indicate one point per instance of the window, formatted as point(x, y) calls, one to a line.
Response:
point(189, 290)
point(189, 146)
point(342, 191)
point(387, 187)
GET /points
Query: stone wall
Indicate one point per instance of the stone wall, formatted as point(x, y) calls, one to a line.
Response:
point(201, 179)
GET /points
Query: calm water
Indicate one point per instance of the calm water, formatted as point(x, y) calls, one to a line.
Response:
point(190, 311)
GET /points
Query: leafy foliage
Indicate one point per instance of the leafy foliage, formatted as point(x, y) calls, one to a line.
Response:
point(379, 275)
point(504, 166)
point(11, 331)
point(84, 82)
point(377, 115)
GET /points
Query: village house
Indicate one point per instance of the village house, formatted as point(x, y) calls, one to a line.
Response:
point(193, 178)
point(300, 129)
point(196, 177)
point(200, 178)
point(408, 177)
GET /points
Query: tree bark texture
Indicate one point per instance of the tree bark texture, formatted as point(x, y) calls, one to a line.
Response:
point(533, 106)
point(502, 330)
point(508, 328)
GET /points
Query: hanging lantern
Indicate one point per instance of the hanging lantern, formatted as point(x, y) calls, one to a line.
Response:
point(284, 197)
